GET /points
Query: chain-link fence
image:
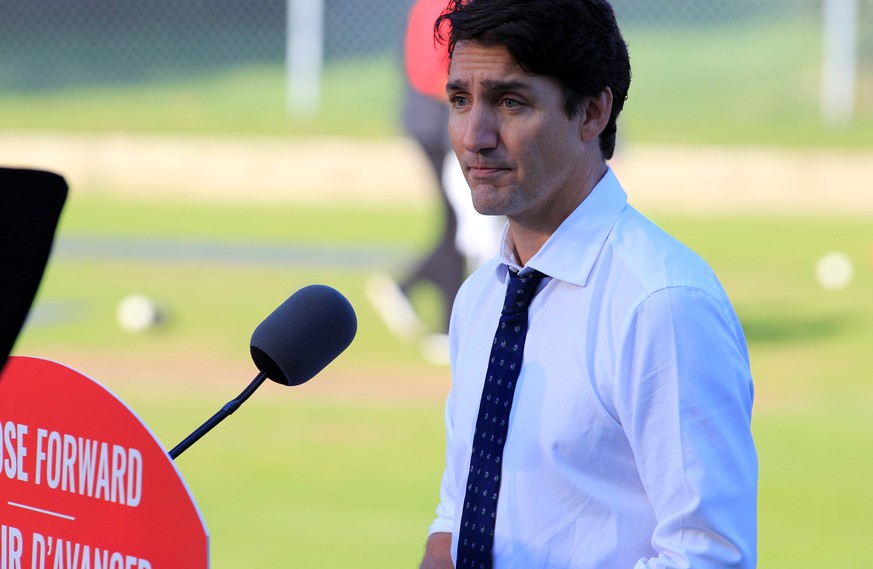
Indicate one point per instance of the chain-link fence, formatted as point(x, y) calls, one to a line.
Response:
point(46, 44)
point(49, 44)
point(693, 49)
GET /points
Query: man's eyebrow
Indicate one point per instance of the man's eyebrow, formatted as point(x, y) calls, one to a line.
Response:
point(494, 85)
point(504, 85)
point(456, 85)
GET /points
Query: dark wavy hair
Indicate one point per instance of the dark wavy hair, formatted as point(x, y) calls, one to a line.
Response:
point(576, 42)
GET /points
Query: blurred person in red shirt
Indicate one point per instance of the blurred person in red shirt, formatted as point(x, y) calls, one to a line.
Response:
point(425, 119)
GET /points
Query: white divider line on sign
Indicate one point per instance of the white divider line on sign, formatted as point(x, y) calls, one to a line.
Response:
point(41, 511)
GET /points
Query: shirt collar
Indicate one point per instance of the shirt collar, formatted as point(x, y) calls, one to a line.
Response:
point(570, 253)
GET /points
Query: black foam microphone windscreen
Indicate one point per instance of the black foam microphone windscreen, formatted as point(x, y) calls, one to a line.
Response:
point(304, 334)
point(30, 206)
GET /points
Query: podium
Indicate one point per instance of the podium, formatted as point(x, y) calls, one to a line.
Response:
point(83, 482)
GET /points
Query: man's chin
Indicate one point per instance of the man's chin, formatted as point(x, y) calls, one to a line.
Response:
point(487, 201)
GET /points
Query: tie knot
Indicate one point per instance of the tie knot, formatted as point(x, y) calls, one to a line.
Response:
point(520, 291)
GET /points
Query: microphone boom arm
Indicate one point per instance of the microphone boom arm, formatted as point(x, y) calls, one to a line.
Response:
point(222, 414)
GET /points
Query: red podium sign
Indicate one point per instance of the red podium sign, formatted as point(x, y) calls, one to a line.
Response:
point(84, 484)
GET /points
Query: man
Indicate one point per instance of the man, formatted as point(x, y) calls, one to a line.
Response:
point(627, 442)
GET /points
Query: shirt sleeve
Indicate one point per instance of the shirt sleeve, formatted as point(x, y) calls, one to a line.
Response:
point(445, 511)
point(684, 399)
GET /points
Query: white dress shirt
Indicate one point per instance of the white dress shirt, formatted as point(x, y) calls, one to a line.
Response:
point(629, 441)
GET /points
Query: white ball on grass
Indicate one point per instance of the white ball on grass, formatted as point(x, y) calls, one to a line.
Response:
point(137, 313)
point(834, 270)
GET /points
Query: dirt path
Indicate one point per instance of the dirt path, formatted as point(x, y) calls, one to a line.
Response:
point(270, 169)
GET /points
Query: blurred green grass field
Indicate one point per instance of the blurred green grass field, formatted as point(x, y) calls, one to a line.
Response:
point(344, 470)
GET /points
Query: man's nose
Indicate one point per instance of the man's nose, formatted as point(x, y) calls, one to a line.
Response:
point(480, 129)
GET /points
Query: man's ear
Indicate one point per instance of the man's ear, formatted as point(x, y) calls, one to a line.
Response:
point(596, 111)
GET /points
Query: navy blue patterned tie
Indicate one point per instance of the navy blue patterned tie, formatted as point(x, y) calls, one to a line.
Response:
point(476, 538)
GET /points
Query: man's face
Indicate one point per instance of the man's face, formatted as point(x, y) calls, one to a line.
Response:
point(521, 154)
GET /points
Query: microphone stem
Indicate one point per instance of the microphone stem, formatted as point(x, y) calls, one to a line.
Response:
point(225, 411)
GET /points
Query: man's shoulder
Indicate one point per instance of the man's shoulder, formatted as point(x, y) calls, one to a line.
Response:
point(643, 252)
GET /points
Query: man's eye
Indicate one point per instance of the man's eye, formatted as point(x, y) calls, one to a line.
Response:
point(458, 101)
point(510, 103)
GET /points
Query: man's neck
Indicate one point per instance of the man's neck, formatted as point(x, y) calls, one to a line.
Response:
point(529, 236)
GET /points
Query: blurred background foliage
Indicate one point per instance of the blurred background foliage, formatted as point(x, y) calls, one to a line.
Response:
point(739, 72)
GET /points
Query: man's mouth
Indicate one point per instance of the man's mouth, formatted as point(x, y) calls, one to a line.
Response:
point(486, 170)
